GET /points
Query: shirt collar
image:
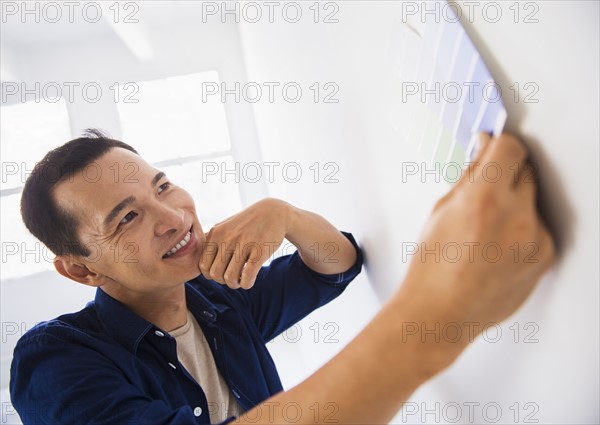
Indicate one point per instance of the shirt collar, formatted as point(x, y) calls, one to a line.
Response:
point(129, 329)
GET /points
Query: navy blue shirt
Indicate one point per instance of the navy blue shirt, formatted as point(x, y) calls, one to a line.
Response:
point(107, 365)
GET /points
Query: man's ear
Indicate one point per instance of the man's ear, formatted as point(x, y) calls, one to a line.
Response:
point(76, 270)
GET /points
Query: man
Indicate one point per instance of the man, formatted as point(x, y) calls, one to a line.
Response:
point(161, 344)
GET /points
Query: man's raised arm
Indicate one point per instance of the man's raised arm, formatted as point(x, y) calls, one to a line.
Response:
point(368, 381)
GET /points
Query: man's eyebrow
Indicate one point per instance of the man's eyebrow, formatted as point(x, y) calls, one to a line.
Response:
point(129, 200)
point(157, 178)
point(117, 209)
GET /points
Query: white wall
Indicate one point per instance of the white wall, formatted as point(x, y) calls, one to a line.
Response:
point(554, 380)
point(559, 374)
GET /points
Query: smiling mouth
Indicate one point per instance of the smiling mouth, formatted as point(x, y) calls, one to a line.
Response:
point(179, 245)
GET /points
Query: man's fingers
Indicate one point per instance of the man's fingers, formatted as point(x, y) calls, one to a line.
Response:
point(217, 270)
point(548, 248)
point(496, 160)
point(207, 258)
point(249, 274)
point(235, 266)
point(526, 189)
point(481, 145)
point(232, 274)
point(526, 185)
point(503, 160)
point(254, 261)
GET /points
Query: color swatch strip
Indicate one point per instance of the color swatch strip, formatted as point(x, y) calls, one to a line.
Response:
point(447, 91)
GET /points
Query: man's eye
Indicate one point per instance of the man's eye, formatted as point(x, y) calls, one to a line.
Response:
point(130, 215)
point(163, 186)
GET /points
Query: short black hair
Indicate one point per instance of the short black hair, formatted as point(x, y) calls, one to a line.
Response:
point(43, 217)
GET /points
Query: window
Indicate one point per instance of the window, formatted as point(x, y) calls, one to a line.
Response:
point(175, 130)
point(165, 120)
point(28, 131)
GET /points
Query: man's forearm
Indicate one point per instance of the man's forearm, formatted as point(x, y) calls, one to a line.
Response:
point(368, 381)
point(321, 246)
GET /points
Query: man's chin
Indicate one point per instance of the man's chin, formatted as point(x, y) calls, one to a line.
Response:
point(191, 275)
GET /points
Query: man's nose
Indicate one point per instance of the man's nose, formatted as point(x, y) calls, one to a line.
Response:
point(168, 218)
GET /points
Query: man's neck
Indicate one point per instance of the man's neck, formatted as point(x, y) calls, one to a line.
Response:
point(167, 309)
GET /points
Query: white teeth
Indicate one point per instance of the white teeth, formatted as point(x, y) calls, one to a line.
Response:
point(179, 245)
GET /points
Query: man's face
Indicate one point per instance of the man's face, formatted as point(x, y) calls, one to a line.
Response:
point(130, 216)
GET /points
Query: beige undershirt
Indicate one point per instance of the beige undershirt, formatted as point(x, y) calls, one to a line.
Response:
point(195, 355)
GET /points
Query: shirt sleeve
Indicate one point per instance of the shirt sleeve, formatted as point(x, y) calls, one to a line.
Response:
point(57, 381)
point(287, 290)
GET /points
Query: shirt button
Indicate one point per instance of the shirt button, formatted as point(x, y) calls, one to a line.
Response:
point(172, 365)
point(159, 333)
point(197, 411)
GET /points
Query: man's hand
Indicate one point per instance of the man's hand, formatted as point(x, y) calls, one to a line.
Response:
point(490, 219)
point(235, 249)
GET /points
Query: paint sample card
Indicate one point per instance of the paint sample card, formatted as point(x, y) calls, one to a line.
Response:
point(447, 92)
